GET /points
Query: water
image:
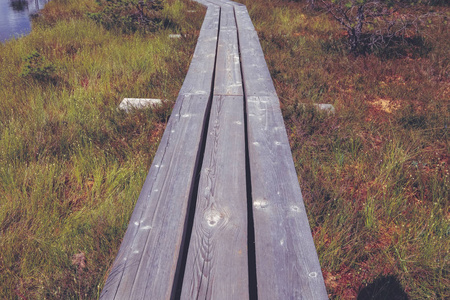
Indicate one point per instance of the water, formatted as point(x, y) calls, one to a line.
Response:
point(15, 17)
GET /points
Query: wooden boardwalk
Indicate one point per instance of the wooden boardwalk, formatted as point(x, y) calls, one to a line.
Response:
point(220, 215)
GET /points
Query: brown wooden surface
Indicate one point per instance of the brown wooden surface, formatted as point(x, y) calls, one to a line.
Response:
point(217, 264)
point(171, 250)
point(147, 261)
point(228, 79)
point(283, 240)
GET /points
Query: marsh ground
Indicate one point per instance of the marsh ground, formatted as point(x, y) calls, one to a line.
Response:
point(374, 175)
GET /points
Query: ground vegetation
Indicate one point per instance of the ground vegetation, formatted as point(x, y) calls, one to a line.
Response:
point(72, 164)
point(375, 173)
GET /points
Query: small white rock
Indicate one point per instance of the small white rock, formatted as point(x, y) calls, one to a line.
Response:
point(327, 107)
point(138, 103)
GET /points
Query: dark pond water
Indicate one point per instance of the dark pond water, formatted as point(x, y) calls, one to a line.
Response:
point(15, 17)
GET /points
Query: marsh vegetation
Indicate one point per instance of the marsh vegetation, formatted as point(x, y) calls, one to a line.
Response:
point(374, 175)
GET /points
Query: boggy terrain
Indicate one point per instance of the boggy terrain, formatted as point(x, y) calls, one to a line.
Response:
point(374, 173)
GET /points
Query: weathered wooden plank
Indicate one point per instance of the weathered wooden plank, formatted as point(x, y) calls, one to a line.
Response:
point(286, 262)
point(228, 70)
point(287, 265)
point(256, 75)
point(147, 262)
point(217, 262)
point(217, 266)
point(197, 79)
point(283, 240)
point(227, 19)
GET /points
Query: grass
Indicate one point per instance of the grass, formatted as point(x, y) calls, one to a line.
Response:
point(374, 175)
point(71, 164)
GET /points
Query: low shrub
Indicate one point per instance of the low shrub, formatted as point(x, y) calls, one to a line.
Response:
point(38, 68)
point(131, 16)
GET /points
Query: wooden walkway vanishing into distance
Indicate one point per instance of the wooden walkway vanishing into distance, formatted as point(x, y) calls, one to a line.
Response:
point(221, 215)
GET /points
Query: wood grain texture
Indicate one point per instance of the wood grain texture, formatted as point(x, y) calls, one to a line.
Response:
point(287, 265)
point(256, 75)
point(147, 259)
point(146, 264)
point(217, 261)
point(283, 240)
point(200, 72)
point(217, 266)
point(228, 79)
point(227, 19)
